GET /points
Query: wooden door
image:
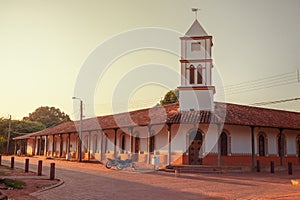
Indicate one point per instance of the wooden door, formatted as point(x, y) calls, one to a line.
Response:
point(298, 148)
point(195, 157)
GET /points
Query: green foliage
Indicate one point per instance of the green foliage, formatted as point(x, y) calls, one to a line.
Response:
point(15, 184)
point(27, 126)
point(40, 119)
point(170, 97)
point(18, 127)
point(48, 116)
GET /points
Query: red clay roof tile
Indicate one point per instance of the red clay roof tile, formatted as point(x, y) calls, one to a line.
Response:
point(235, 115)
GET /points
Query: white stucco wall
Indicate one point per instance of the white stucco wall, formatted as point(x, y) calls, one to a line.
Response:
point(30, 145)
point(290, 141)
point(240, 139)
point(189, 99)
point(211, 138)
point(73, 142)
point(272, 142)
point(188, 54)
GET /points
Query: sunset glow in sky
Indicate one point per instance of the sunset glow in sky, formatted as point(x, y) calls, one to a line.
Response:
point(43, 45)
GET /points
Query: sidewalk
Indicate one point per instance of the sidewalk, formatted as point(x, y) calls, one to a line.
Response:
point(94, 181)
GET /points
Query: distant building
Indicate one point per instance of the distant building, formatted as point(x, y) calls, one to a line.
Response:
point(195, 131)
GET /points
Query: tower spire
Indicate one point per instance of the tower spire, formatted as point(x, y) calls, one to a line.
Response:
point(196, 91)
point(195, 10)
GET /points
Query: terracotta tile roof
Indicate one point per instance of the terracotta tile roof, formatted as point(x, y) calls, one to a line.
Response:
point(235, 115)
point(66, 127)
point(204, 117)
point(25, 136)
point(256, 116)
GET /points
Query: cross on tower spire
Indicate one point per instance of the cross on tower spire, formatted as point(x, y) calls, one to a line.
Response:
point(195, 10)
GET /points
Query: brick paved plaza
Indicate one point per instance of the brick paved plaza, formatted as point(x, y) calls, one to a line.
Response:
point(94, 181)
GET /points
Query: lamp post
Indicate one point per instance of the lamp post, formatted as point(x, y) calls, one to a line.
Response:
point(80, 131)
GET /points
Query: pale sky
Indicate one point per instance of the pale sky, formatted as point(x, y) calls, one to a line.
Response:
point(43, 45)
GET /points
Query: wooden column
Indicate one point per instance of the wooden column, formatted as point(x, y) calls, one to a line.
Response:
point(60, 145)
point(131, 140)
point(115, 143)
point(101, 145)
point(34, 146)
point(253, 148)
point(78, 148)
point(21, 146)
point(40, 145)
point(148, 144)
point(46, 146)
point(169, 143)
point(281, 153)
point(219, 144)
point(15, 150)
point(89, 145)
point(53, 143)
point(68, 143)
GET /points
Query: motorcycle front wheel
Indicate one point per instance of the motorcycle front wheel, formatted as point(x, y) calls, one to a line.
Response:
point(108, 165)
point(119, 166)
point(134, 166)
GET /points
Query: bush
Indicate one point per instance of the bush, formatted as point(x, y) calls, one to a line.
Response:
point(15, 184)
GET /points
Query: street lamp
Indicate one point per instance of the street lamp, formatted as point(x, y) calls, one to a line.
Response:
point(80, 130)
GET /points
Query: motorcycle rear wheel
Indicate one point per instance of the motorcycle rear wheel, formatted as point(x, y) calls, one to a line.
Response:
point(108, 165)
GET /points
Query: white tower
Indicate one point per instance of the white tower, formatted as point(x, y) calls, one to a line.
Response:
point(196, 91)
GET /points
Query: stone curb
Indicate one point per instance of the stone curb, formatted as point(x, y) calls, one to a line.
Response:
point(60, 182)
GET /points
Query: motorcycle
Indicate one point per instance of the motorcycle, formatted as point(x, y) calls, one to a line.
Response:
point(111, 163)
point(120, 164)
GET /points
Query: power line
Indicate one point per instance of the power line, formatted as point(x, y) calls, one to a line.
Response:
point(275, 102)
point(258, 84)
point(260, 80)
point(243, 87)
point(8, 135)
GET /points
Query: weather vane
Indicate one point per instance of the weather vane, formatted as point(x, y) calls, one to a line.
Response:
point(195, 10)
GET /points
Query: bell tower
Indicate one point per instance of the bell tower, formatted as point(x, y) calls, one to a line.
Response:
point(196, 91)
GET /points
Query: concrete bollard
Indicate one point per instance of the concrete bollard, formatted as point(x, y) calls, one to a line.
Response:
point(52, 171)
point(26, 165)
point(12, 162)
point(40, 167)
point(177, 172)
point(272, 167)
point(258, 166)
point(290, 168)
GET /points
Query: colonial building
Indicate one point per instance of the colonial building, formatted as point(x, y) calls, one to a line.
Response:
point(195, 131)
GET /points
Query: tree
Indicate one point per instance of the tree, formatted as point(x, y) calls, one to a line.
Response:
point(18, 128)
point(48, 116)
point(170, 97)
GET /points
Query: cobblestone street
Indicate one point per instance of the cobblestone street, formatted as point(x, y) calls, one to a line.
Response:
point(94, 181)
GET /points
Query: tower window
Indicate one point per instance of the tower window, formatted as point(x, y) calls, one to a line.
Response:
point(199, 76)
point(196, 46)
point(192, 75)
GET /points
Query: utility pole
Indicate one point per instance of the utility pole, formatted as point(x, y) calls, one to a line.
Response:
point(8, 134)
point(80, 131)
